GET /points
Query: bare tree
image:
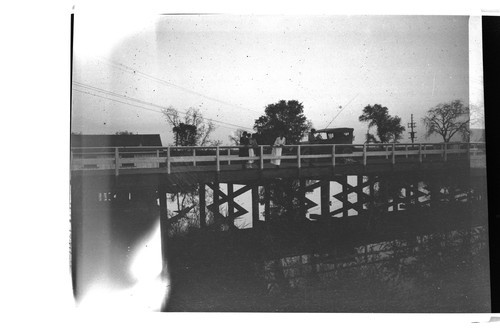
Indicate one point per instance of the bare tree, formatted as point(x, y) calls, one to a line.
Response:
point(235, 137)
point(447, 120)
point(192, 117)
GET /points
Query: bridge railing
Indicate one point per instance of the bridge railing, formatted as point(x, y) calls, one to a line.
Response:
point(119, 158)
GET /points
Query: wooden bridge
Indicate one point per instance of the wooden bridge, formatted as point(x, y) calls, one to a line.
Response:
point(170, 169)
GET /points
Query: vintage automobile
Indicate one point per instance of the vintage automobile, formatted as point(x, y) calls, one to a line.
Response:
point(329, 136)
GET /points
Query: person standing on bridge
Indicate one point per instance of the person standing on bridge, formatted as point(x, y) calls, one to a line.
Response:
point(243, 152)
point(277, 148)
point(312, 136)
point(252, 142)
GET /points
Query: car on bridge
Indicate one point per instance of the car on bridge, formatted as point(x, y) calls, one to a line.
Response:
point(329, 136)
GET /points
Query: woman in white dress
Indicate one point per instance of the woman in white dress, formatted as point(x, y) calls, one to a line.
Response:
point(253, 146)
point(277, 148)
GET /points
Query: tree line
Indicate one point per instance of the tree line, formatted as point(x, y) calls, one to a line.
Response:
point(447, 120)
point(450, 121)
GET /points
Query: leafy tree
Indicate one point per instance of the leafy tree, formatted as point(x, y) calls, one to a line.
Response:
point(447, 120)
point(284, 115)
point(370, 138)
point(190, 130)
point(389, 128)
point(185, 134)
point(393, 129)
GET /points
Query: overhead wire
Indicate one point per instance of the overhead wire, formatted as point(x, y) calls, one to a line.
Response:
point(147, 103)
point(221, 123)
point(135, 71)
point(343, 108)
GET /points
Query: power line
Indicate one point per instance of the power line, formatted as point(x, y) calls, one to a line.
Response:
point(343, 108)
point(144, 102)
point(233, 126)
point(145, 108)
point(114, 94)
point(135, 71)
point(147, 103)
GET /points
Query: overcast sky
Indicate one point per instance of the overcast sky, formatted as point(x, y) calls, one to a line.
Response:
point(231, 67)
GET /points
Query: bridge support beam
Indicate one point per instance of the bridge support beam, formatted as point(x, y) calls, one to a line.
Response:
point(359, 194)
point(255, 205)
point(372, 189)
point(384, 192)
point(435, 191)
point(302, 198)
point(325, 199)
point(203, 205)
point(216, 189)
point(267, 203)
point(345, 205)
point(230, 202)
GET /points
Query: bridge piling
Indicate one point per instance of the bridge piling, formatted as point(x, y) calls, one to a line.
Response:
point(434, 189)
point(345, 201)
point(302, 198)
point(216, 189)
point(230, 194)
point(372, 180)
point(325, 198)
point(267, 203)
point(359, 193)
point(203, 205)
point(255, 205)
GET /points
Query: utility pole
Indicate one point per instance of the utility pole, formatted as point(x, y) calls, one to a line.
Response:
point(412, 125)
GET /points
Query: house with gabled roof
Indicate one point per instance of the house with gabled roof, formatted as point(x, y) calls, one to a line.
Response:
point(96, 151)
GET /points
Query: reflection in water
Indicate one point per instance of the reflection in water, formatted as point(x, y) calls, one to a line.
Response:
point(397, 262)
point(425, 258)
point(439, 272)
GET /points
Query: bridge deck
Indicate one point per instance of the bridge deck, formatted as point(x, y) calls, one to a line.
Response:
point(172, 170)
